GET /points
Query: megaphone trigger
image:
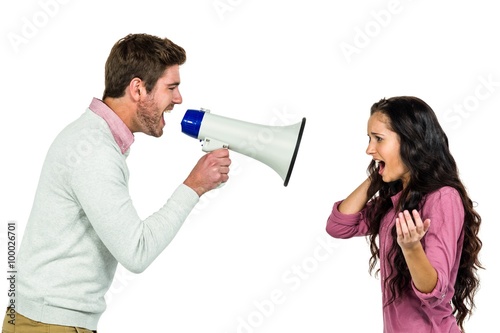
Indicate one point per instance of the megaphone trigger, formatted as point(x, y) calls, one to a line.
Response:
point(275, 146)
point(213, 144)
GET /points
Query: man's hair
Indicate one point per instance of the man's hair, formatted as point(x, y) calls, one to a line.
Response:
point(140, 56)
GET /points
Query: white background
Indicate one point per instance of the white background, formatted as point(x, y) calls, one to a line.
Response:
point(254, 256)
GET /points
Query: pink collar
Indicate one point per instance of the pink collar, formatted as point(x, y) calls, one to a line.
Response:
point(122, 134)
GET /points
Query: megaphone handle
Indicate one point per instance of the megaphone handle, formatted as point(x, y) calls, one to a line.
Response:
point(213, 144)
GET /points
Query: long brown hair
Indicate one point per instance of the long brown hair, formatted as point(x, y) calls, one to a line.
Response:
point(425, 152)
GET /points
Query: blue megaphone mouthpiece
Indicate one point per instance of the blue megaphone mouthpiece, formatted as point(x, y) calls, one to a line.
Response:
point(191, 122)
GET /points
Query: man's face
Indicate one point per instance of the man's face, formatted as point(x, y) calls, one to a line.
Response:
point(162, 98)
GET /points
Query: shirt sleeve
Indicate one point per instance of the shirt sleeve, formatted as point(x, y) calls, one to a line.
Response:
point(341, 225)
point(100, 186)
point(443, 242)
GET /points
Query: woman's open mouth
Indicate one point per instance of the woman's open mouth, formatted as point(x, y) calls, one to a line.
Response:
point(380, 165)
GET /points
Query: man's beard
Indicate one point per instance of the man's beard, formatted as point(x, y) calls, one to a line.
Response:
point(149, 118)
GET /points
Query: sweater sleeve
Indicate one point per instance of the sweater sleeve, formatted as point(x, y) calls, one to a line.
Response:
point(341, 225)
point(100, 185)
point(443, 242)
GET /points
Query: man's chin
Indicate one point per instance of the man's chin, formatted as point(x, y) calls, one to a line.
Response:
point(157, 134)
point(154, 132)
point(158, 131)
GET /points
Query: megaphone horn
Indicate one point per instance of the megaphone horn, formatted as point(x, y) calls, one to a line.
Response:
point(275, 146)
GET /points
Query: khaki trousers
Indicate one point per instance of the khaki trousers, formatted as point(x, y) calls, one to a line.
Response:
point(26, 325)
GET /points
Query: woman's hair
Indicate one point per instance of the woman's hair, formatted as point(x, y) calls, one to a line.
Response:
point(424, 151)
point(142, 56)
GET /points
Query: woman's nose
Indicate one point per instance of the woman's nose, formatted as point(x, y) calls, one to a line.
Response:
point(370, 150)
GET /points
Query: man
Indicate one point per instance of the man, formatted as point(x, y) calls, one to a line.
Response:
point(83, 222)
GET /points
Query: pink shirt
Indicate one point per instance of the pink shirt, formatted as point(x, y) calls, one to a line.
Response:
point(417, 312)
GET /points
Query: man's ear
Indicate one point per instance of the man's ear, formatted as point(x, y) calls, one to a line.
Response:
point(136, 89)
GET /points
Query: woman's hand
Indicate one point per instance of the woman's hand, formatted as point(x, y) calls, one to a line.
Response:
point(410, 230)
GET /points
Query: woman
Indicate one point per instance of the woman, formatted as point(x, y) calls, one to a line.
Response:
point(415, 206)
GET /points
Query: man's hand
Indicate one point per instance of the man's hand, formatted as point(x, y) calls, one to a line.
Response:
point(211, 170)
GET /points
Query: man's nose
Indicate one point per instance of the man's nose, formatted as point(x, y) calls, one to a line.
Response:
point(177, 97)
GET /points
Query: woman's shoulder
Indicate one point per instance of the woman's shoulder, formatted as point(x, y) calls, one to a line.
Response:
point(445, 192)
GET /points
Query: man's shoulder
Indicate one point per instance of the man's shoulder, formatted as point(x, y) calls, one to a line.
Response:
point(88, 128)
point(85, 139)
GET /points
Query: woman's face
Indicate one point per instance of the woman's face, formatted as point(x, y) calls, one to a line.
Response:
point(384, 147)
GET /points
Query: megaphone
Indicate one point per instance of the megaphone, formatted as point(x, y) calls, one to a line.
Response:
point(275, 146)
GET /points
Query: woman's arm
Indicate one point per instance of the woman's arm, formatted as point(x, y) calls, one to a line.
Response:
point(346, 219)
point(357, 200)
point(409, 233)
